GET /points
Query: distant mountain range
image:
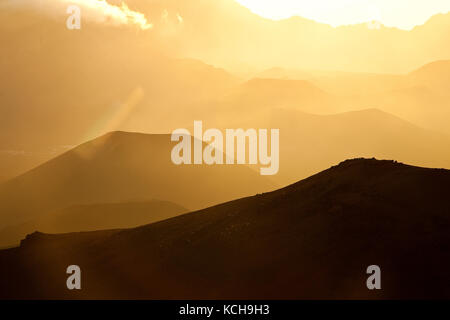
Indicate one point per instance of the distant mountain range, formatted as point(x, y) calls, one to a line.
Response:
point(86, 83)
point(433, 75)
point(311, 142)
point(123, 167)
point(212, 30)
point(79, 185)
point(313, 239)
point(421, 96)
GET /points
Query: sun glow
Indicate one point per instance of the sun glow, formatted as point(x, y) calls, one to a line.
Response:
point(404, 14)
point(99, 11)
point(119, 14)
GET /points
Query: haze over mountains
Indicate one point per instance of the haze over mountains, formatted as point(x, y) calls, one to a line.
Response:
point(309, 143)
point(123, 167)
point(88, 82)
point(14, 162)
point(421, 96)
point(85, 123)
point(91, 217)
point(313, 239)
point(219, 27)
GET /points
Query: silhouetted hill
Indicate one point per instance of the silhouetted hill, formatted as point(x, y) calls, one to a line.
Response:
point(92, 217)
point(313, 239)
point(119, 167)
point(436, 75)
point(311, 142)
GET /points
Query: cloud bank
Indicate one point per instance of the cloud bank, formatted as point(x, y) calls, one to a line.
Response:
point(99, 11)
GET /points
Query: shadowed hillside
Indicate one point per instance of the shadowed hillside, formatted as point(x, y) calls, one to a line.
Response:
point(313, 239)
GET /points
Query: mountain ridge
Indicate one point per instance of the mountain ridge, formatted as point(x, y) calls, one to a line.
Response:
point(120, 166)
point(311, 240)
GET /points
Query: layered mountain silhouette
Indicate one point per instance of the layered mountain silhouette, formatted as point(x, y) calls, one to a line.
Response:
point(118, 207)
point(311, 142)
point(312, 239)
point(220, 26)
point(420, 96)
point(92, 217)
point(120, 166)
point(121, 79)
point(433, 75)
point(86, 83)
point(123, 167)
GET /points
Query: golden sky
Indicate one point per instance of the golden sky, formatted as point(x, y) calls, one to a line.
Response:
point(404, 14)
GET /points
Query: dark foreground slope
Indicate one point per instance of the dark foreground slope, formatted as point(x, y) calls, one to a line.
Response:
point(313, 239)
